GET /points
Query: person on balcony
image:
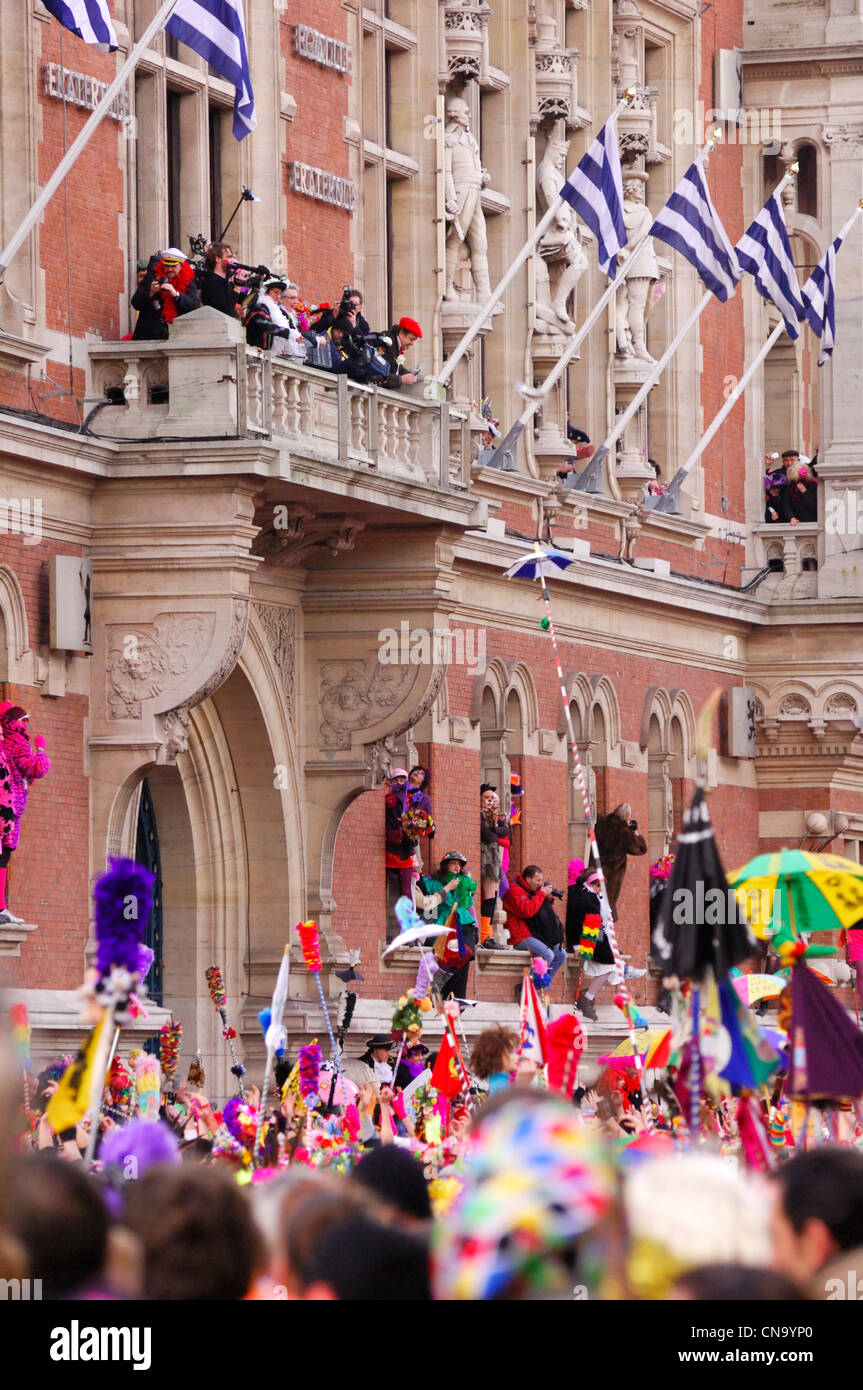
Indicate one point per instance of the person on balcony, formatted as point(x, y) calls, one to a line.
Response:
point(400, 858)
point(493, 830)
point(776, 507)
point(167, 290)
point(531, 920)
point(617, 837)
point(217, 291)
point(395, 344)
point(449, 894)
point(20, 764)
point(346, 356)
point(802, 493)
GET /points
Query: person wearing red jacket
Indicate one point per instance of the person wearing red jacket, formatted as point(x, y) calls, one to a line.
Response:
point(529, 915)
point(25, 764)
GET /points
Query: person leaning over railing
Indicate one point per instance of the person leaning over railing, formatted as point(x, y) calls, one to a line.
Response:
point(167, 290)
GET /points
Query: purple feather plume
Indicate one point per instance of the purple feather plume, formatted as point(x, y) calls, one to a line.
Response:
point(142, 1141)
point(123, 899)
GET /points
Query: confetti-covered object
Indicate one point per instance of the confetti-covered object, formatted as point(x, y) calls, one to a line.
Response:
point(533, 1185)
point(310, 945)
point(170, 1038)
point(216, 986)
point(589, 934)
point(20, 1021)
point(147, 1086)
point(309, 1061)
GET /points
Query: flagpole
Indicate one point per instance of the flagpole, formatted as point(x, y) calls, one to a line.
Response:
point(485, 311)
point(83, 137)
point(667, 501)
point(607, 914)
point(507, 445)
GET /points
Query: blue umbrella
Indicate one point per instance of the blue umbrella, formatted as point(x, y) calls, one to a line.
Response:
point(539, 562)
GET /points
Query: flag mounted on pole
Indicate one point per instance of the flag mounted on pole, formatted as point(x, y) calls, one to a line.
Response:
point(534, 1045)
point(214, 29)
point(89, 19)
point(690, 223)
point(819, 293)
point(764, 252)
point(594, 190)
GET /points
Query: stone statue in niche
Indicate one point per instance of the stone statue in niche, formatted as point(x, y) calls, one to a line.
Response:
point(559, 246)
point(464, 180)
point(642, 272)
point(547, 320)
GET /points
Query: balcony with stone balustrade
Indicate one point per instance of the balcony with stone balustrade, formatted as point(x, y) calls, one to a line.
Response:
point(204, 384)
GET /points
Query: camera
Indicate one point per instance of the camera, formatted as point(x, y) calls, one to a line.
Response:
point(555, 892)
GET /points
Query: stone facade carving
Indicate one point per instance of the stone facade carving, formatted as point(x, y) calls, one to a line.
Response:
point(841, 705)
point(794, 706)
point(144, 660)
point(279, 626)
point(632, 301)
point(844, 141)
point(560, 245)
point(356, 694)
point(464, 180)
point(175, 722)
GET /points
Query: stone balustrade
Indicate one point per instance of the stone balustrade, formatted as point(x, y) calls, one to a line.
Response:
point(791, 554)
point(206, 383)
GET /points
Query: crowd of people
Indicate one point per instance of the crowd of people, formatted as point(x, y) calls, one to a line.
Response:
point(524, 901)
point(385, 1189)
point(335, 338)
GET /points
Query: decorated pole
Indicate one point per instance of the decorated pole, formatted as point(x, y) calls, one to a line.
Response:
point(627, 1006)
point(310, 945)
point(216, 986)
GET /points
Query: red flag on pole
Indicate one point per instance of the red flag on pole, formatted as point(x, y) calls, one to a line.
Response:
point(447, 1074)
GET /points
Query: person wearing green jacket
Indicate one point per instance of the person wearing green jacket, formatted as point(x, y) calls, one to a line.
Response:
point(451, 887)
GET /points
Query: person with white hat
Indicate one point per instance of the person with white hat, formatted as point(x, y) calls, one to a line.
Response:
point(167, 290)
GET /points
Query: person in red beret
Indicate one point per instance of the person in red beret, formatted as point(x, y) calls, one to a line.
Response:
point(395, 344)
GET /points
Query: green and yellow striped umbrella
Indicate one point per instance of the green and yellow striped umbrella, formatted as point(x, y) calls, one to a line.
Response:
point(791, 891)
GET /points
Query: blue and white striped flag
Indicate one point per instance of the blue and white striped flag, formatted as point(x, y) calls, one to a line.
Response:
point(764, 252)
point(214, 29)
point(594, 190)
point(819, 295)
point(690, 223)
point(89, 19)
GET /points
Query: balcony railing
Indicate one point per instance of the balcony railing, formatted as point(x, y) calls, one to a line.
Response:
point(791, 554)
point(205, 383)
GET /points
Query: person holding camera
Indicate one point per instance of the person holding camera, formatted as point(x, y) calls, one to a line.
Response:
point(531, 920)
point(217, 290)
point(167, 290)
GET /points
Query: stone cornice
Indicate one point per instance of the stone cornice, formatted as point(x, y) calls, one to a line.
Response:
point(844, 60)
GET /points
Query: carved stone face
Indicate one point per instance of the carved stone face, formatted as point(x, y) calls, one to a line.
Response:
point(634, 190)
point(557, 151)
point(458, 112)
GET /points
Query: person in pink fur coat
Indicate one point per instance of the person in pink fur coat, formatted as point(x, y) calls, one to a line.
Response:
point(20, 764)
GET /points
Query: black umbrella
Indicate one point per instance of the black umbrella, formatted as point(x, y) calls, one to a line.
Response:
point(699, 923)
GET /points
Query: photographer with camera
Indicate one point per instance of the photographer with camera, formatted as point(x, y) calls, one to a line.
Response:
point(167, 290)
point(531, 920)
point(215, 279)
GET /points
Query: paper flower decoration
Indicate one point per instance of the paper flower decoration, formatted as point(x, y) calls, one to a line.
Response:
point(170, 1037)
point(309, 1061)
point(407, 1017)
point(216, 985)
point(308, 934)
point(589, 933)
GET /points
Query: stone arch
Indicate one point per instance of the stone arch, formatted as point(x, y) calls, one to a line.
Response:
point(521, 682)
point(605, 699)
point(786, 692)
point(683, 710)
point(495, 678)
point(16, 631)
point(657, 705)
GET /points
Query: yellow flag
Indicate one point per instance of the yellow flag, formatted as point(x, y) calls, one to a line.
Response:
point(71, 1100)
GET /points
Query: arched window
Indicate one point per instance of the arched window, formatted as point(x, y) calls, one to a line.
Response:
point(807, 181)
point(659, 801)
point(147, 853)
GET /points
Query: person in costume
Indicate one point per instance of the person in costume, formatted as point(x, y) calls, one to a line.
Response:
point(25, 763)
point(412, 1064)
point(493, 830)
point(617, 837)
point(377, 1058)
point(400, 857)
point(449, 893)
point(587, 937)
point(167, 290)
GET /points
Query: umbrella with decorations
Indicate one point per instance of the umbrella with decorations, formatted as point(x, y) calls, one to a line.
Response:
point(753, 988)
point(792, 891)
point(653, 1047)
point(540, 561)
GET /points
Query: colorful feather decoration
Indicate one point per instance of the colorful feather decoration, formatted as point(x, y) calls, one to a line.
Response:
point(310, 945)
point(309, 1061)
